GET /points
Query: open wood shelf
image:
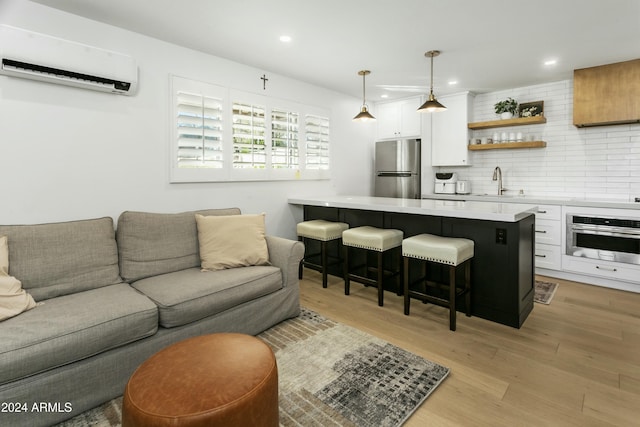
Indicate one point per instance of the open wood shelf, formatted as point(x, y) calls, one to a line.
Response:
point(501, 146)
point(518, 121)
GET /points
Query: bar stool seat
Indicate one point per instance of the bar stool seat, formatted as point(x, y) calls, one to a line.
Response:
point(374, 239)
point(324, 231)
point(451, 251)
point(443, 250)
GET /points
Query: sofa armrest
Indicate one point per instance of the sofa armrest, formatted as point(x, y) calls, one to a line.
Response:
point(285, 254)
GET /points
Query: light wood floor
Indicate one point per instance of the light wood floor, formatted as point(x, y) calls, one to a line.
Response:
point(574, 362)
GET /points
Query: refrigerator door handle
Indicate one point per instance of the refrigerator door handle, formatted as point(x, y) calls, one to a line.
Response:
point(395, 174)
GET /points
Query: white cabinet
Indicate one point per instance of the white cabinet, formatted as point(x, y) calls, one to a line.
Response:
point(600, 268)
point(548, 235)
point(449, 131)
point(399, 119)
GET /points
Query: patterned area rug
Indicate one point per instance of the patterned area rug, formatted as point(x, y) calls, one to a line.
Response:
point(544, 291)
point(330, 375)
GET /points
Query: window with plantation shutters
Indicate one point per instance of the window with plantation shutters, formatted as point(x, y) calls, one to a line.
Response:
point(249, 149)
point(199, 131)
point(223, 134)
point(317, 142)
point(199, 127)
point(284, 139)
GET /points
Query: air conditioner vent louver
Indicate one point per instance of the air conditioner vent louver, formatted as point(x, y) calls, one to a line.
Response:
point(9, 64)
point(41, 57)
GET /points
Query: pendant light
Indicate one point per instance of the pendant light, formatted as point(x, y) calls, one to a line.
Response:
point(364, 114)
point(432, 105)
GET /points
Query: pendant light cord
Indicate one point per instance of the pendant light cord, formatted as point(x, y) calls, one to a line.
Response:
point(364, 98)
point(431, 89)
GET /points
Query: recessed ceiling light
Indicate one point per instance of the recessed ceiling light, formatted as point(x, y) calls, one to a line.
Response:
point(550, 62)
point(453, 82)
point(384, 95)
point(285, 39)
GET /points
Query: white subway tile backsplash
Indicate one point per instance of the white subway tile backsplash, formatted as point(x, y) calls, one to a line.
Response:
point(599, 162)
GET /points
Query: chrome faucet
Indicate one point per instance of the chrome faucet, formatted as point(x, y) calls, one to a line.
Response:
point(497, 176)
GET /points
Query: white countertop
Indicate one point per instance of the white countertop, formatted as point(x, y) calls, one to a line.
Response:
point(536, 200)
point(489, 210)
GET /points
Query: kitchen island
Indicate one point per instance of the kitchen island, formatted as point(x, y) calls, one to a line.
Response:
point(502, 270)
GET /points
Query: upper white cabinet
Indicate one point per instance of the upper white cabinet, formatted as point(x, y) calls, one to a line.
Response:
point(449, 131)
point(399, 119)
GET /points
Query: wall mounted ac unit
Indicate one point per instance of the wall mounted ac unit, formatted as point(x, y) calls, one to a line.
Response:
point(50, 59)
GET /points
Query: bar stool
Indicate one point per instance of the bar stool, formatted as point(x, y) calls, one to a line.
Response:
point(442, 250)
point(375, 239)
point(323, 231)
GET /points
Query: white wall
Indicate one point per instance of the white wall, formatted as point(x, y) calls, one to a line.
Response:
point(598, 162)
point(68, 153)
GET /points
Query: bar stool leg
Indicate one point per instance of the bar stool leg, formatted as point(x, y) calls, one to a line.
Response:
point(346, 270)
point(323, 246)
point(467, 287)
point(407, 300)
point(452, 297)
point(399, 281)
point(301, 261)
point(380, 280)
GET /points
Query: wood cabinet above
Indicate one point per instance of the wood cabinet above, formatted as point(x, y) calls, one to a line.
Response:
point(607, 95)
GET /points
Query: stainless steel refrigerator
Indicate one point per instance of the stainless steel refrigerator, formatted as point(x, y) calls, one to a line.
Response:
point(397, 169)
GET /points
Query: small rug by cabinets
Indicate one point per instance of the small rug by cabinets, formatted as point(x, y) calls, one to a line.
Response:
point(544, 291)
point(330, 375)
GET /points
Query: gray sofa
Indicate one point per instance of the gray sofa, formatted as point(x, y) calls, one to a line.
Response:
point(109, 299)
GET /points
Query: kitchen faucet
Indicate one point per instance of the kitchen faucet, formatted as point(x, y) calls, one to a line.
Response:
point(497, 176)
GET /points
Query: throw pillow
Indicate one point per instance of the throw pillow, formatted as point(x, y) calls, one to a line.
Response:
point(228, 241)
point(13, 299)
point(4, 255)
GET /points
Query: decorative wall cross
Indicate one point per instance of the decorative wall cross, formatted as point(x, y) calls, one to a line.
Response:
point(264, 81)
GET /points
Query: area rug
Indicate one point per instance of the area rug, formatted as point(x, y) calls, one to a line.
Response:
point(330, 375)
point(544, 291)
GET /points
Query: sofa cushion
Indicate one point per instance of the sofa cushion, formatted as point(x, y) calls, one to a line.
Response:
point(228, 241)
point(73, 327)
point(62, 258)
point(150, 244)
point(189, 295)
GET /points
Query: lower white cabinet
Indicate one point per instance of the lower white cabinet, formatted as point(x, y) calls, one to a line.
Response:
point(548, 235)
point(548, 231)
point(600, 268)
point(548, 256)
point(449, 131)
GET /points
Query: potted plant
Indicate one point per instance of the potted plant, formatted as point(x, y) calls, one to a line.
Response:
point(506, 108)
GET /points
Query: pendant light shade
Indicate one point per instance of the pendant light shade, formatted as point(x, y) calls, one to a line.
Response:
point(432, 105)
point(364, 114)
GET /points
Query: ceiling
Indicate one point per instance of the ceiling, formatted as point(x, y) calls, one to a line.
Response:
point(486, 45)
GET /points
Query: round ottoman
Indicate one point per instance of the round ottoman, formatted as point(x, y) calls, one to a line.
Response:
point(211, 380)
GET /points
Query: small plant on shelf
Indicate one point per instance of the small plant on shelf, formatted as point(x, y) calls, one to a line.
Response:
point(506, 108)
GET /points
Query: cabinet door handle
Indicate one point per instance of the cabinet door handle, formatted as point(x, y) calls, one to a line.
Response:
point(542, 212)
point(606, 268)
point(541, 256)
point(541, 231)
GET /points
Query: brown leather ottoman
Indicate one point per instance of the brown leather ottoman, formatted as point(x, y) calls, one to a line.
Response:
point(210, 380)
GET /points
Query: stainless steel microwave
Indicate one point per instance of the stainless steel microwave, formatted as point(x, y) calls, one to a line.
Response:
point(606, 238)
